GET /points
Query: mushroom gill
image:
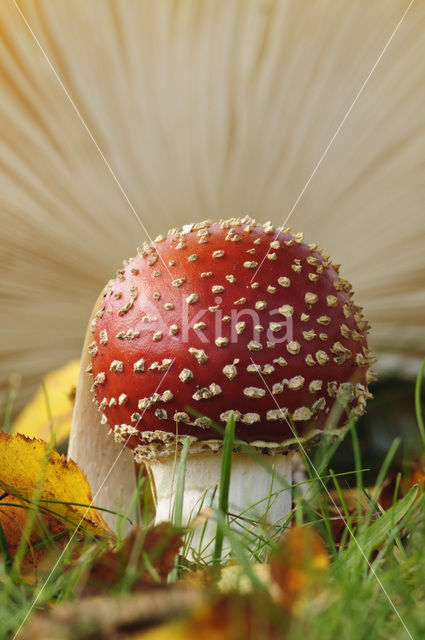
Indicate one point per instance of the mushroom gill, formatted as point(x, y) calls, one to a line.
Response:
point(205, 109)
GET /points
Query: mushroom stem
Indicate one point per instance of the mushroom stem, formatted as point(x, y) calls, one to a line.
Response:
point(255, 491)
point(109, 471)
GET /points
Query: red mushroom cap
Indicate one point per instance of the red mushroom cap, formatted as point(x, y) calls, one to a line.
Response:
point(227, 317)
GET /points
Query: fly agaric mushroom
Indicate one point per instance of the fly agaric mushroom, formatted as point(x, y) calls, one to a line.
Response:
point(228, 317)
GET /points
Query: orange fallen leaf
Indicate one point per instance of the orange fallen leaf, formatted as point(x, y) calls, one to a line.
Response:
point(29, 466)
point(14, 515)
point(230, 617)
point(39, 537)
point(298, 566)
point(416, 476)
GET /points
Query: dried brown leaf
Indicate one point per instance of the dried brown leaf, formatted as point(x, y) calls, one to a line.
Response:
point(141, 554)
point(110, 617)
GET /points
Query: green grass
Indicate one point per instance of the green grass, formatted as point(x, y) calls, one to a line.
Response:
point(223, 494)
point(375, 585)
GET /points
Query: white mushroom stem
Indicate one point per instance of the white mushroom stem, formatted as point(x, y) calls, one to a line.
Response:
point(255, 492)
point(109, 470)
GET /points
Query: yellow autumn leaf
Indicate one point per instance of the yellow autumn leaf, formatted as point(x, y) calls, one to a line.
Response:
point(49, 413)
point(27, 465)
point(176, 630)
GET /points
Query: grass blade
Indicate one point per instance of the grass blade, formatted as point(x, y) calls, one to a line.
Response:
point(4, 550)
point(181, 474)
point(223, 496)
point(418, 408)
point(379, 531)
point(357, 466)
point(240, 552)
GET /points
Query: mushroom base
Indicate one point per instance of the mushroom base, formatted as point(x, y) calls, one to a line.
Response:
point(259, 493)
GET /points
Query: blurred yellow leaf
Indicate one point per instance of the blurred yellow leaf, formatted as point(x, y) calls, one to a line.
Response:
point(233, 578)
point(177, 630)
point(28, 465)
point(50, 411)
